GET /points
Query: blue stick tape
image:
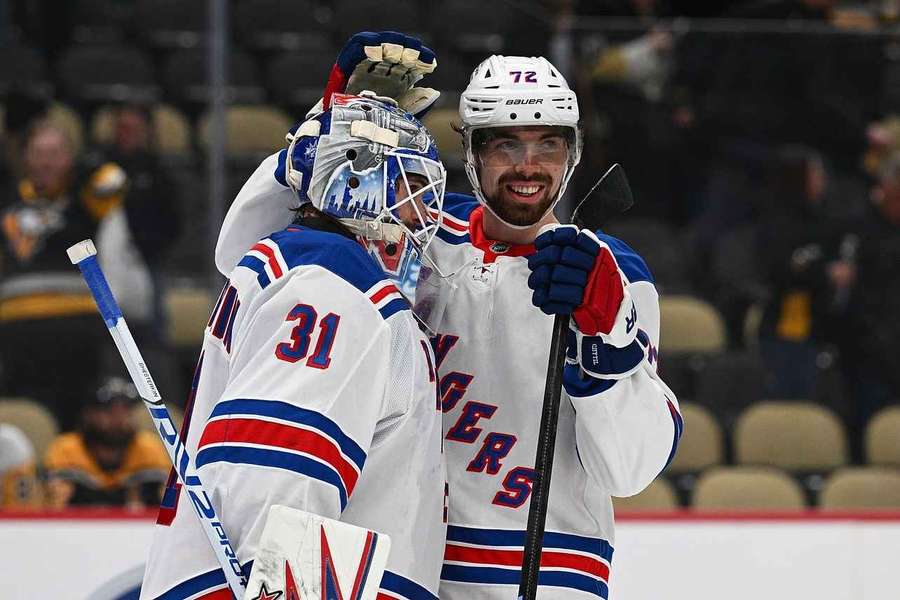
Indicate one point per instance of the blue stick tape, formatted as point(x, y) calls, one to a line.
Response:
point(96, 281)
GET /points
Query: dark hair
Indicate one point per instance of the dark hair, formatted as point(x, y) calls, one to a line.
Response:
point(308, 215)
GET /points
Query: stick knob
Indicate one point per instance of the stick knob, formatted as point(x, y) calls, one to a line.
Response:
point(82, 250)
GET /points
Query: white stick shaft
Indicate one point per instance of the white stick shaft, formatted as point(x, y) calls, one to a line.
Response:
point(212, 527)
point(83, 254)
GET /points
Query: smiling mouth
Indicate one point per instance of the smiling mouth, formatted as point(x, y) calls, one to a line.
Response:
point(525, 191)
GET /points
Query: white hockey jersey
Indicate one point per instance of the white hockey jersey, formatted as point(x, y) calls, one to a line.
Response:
point(315, 389)
point(492, 348)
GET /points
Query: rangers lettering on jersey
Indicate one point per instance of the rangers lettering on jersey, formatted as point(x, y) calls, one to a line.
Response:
point(613, 437)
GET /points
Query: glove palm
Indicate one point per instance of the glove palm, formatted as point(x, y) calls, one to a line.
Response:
point(387, 63)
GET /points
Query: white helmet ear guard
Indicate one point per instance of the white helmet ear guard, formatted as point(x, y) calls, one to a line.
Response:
point(518, 91)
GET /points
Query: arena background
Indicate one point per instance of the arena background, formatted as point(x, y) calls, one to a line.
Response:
point(761, 140)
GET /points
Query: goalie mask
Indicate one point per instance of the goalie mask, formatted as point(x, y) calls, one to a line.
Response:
point(520, 92)
point(376, 169)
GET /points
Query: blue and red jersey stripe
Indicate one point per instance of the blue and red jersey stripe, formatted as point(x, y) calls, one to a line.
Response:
point(272, 257)
point(387, 298)
point(266, 260)
point(454, 227)
point(277, 434)
point(494, 556)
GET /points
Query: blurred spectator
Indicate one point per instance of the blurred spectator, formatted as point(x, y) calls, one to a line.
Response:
point(883, 140)
point(742, 91)
point(21, 108)
point(640, 63)
point(50, 336)
point(107, 461)
point(807, 256)
point(875, 300)
point(138, 235)
point(18, 479)
point(626, 113)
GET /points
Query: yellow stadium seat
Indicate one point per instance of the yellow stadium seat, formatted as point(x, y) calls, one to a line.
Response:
point(250, 129)
point(659, 495)
point(102, 126)
point(173, 131)
point(791, 435)
point(882, 437)
point(747, 488)
point(35, 421)
point(689, 325)
point(703, 442)
point(188, 311)
point(862, 488)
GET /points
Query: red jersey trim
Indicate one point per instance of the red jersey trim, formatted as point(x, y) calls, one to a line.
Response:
point(493, 248)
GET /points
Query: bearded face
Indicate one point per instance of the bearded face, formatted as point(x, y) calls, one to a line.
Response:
point(109, 425)
point(521, 170)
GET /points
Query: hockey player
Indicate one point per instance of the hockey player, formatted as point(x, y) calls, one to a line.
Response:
point(315, 387)
point(619, 425)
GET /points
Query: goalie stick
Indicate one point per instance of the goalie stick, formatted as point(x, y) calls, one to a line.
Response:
point(614, 198)
point(84, 256)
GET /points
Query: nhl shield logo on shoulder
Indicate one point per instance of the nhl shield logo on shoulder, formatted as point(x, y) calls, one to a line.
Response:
point(499, 247)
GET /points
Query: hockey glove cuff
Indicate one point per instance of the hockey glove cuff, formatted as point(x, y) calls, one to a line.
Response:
point(573, 272)
point(387, 63)
point(602, 360)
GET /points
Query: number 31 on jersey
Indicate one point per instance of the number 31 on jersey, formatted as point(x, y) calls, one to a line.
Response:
point(297, 348)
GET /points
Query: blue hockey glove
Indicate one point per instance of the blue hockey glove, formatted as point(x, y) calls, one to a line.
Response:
point(387, 63)
point(574, 272)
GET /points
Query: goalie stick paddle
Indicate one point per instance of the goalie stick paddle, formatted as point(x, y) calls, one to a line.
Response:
point(610, 196)
point(84, 256)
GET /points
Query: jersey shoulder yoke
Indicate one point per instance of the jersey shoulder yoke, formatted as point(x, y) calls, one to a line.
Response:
point(272, 257)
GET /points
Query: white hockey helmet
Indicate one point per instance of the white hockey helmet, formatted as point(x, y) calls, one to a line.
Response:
point(516, 91)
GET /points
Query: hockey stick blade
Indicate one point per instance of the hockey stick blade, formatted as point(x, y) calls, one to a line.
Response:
point(608, 198)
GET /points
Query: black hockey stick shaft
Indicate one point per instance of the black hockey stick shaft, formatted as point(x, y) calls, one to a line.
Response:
point(613, 197)
point(543, 463)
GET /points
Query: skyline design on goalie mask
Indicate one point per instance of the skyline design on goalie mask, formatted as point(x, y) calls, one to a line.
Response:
point(358, 202)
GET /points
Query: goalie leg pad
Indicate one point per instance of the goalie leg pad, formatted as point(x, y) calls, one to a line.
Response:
point(305, 555)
